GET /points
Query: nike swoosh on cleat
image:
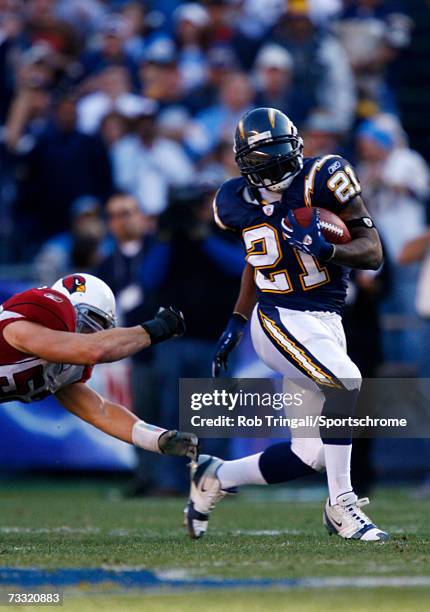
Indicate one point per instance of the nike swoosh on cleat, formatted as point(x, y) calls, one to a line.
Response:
point(335, 522)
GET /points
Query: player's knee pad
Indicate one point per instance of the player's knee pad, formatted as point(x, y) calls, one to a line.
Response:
point(310, 451)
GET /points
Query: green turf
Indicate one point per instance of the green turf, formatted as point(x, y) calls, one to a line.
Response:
point(385, 600)
point(148, 533)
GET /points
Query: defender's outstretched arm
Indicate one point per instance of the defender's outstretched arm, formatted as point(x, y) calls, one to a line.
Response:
point(117, 421)
point(72, 348)
point(99, 347)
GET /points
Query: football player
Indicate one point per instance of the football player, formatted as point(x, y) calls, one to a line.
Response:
point(293, 289)
point(50, 339)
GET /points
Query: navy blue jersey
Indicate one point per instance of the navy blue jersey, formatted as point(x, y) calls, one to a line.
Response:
point(285, 276)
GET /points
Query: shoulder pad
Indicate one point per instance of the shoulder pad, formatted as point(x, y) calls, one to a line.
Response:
point(44, 306)
point(227, 204)
point(331, 183)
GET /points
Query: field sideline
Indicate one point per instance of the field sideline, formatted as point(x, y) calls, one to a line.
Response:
point(266, 535)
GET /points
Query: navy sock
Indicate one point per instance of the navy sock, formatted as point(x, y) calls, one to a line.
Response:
point(339, 404)
point(278, 463)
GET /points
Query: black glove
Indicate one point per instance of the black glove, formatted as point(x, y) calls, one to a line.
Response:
point(230, 338)
point(167, 323)
point(179, 444)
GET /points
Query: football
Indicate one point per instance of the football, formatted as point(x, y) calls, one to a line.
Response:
point(333, 228)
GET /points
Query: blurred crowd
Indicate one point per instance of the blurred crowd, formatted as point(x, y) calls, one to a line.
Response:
point(116, 126)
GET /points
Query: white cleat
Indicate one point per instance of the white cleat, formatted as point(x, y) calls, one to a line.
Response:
point(205, 492)
point(348, 521)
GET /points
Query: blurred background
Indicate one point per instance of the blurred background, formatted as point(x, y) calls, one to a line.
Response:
point(116, 126)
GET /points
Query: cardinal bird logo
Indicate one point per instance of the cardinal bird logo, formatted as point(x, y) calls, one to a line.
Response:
point(75, 284)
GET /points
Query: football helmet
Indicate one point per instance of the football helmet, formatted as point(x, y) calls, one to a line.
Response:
point(268, 149)
point(92, 299)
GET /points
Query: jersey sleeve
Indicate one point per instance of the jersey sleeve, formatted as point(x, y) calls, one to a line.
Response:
point(336, 184)
point(44, 306)
point(224, 208)
point(86, 375)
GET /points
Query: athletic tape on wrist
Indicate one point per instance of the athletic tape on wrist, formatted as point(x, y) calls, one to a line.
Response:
point(144, 435)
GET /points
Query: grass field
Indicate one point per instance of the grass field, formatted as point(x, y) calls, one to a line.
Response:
point(259, 534)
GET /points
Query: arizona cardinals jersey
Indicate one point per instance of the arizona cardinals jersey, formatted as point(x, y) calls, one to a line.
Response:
point(27, 378)
point(284, 276)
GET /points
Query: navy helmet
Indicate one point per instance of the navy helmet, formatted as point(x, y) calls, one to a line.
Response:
point(268, 149)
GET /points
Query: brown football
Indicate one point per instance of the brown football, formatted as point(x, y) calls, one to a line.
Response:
point(333, 228)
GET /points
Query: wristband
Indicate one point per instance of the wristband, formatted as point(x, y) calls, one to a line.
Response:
point(158, 330)
point(362, 222)
point(146, 436)
point(239, 318)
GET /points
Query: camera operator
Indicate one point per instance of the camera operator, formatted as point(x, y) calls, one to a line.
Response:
point(200, 273)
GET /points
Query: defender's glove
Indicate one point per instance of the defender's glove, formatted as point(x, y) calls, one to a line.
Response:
point(167, 323)
point(308, 239)
point(179, 444)
point(230, 338)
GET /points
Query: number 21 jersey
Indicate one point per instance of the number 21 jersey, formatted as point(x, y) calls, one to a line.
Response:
point(284, 276)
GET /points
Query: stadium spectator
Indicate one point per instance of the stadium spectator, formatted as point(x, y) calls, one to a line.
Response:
point(131, 271)
point(44, 25)
point(141, 27)
point(82, 15)
point(213, 264)
point(218, 122)
point(63, 165)
point(113, 127)
point(220, 165)
point(373, 33)
point(221, 62)
point(321, 136)
point(80, 248)
point(363, 330)
point(274, 83)
point(191, 38)
point(146, 164)
point(245, 30)
point(113, 94)
point(160, 76)
point(321, 69)
point(110, 51)
point(11, 34)
point(29, 111)
point(396, 184)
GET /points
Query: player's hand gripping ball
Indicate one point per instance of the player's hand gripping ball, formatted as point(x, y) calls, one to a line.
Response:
point(315, 231)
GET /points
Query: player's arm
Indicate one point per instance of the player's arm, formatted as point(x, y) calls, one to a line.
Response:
point(88, 349)
point(117, 421)
point(233, 333)
point(364, 252)
point(337, 189)
point(247, 295)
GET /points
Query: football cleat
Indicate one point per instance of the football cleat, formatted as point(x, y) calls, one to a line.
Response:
point(205, 492)
point(348, 521)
